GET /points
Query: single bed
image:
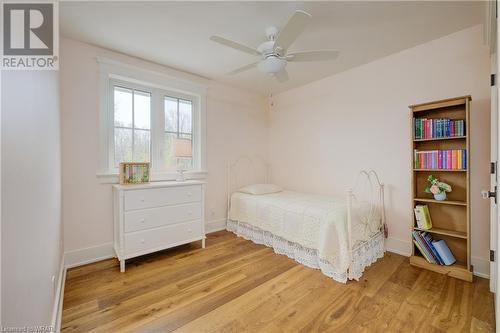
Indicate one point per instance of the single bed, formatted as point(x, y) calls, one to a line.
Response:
point(339, 237)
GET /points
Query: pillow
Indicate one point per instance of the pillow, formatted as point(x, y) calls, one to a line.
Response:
point(260, 189)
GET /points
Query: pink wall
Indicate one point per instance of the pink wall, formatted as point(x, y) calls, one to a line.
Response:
point(236, 124)
point(317, 136)
point(322, 134)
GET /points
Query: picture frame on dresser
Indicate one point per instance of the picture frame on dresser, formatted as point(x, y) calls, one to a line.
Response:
point(156, 216)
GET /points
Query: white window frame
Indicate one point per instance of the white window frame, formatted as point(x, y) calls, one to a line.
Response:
point(113, 73)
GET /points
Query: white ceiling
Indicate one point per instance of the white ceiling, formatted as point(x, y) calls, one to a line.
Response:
point(176, 33)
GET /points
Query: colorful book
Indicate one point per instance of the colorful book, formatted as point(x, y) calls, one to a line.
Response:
point(428, 239)
point(438, 128)
point(422, 251)
point(423, 248)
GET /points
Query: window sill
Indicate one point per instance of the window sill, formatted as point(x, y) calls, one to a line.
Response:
point(113, 177)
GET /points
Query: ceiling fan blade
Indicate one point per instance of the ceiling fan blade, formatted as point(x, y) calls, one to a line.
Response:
point(320, 55)
point(282, 75)
point(292, 29)
point(234, 45)
point(242, 69)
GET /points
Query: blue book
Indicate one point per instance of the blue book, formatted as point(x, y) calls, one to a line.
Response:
point(444, 252)
point(428, 239)
point(464, 159)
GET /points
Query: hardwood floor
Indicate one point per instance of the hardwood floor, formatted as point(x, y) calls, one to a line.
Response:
point(237, 286)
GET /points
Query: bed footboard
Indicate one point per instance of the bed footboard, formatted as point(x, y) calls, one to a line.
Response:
point(376, 202)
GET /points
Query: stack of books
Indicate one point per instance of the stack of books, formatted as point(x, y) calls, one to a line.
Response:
point(434, 251)
point(450, 159)
point(438, 128)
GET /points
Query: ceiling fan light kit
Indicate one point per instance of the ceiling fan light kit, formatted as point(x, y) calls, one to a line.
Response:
point(273, 52)
point(271, 65)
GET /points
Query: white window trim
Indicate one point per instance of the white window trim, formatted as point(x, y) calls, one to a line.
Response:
point(113, 71)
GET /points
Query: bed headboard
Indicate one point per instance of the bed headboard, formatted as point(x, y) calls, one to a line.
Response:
point(245, 170)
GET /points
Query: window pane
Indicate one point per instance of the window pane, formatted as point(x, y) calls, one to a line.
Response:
point(123, 107)
point(185, 116)
point(168, 152)
point(123, 145)
point(141, 146)
point(142, 110)
point(170, 114)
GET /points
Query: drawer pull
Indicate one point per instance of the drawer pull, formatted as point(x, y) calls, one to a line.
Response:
point(142, 241)
point(189, 194)
point(142, 221)
point(142, 199)
point(190, 212)
point(190, 231)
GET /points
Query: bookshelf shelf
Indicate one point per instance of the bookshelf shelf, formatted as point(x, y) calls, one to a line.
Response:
point(451, 233)
point(450, 218)
point(439, 139)
point(457, 270)
point(444, 202)
point(441, 170)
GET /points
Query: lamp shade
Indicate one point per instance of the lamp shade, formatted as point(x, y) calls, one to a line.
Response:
point(183, 148)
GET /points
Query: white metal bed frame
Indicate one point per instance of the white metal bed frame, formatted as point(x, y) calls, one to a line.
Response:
point(375, 186)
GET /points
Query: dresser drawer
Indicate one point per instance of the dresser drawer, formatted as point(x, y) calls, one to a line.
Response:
point(163, 237)
point(149, 198)
point(156, 217)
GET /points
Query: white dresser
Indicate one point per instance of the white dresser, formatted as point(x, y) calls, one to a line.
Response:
point(156, 216)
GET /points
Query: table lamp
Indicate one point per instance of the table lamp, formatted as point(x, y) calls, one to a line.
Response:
point(183, 149)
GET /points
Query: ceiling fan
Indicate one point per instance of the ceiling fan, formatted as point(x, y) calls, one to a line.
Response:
point(273, 52)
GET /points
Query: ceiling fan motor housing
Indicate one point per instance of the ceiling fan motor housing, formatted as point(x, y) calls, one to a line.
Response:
point(266, 48)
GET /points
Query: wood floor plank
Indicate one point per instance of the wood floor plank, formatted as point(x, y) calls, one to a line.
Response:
point(168, 293)
point(235, 285)
point(245, 311)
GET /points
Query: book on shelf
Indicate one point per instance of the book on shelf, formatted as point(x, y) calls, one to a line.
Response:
point(438, 128)
point(449, 159)
point(423, 217)
point(434, 251)
point(444, 252)
point(423, 247)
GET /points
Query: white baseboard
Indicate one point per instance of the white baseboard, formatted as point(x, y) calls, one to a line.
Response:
point(215, 225)
point(88, 255)
point(105, 251)
point(398, 246)
point(58, 298)
point(481, 265)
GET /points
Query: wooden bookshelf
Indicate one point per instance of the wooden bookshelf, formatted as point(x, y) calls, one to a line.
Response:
point(450, 218)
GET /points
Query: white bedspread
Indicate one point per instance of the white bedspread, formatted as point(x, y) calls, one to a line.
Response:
point(313, 221)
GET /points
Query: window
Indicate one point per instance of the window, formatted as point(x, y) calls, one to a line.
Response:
point(178, 136)
point(132, 125)
point(150, 116)
point(148, 122)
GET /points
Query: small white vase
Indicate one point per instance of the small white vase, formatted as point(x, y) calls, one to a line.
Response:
point(440, 196)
